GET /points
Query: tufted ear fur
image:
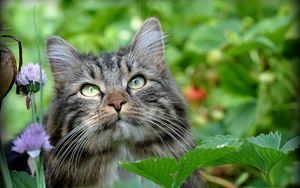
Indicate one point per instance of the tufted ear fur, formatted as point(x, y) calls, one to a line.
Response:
point(62, 57)
point(148, 43)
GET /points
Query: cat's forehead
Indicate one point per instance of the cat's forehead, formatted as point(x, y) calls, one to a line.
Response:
point(109, 61)
point(110, 68)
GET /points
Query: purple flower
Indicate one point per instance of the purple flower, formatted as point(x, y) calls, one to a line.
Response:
point(32, 140)
point(28, 79)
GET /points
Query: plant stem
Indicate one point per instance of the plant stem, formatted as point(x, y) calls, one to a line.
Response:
point(37, 173)
point(40, 64)
point(32, 102)
point(40, 178)
point(269, 180)
point(218, 181)
point(39, 166)
point(4, 168)
point(41, 171)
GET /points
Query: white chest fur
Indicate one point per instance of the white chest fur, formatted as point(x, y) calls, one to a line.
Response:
point(114, 172)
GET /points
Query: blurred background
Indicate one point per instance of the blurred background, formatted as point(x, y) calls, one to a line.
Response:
point(235, 61)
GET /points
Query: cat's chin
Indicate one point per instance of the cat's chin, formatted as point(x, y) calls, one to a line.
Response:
point(125, 131)
point(122, 129)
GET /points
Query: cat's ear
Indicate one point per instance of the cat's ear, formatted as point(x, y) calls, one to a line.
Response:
point(62, 58)
point(148, 43)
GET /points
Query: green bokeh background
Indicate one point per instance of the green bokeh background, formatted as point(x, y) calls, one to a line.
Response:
point(242, 54)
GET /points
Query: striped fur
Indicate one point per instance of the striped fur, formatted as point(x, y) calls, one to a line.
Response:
point(89, 136)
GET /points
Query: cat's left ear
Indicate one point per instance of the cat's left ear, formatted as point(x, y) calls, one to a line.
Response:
point(148, 43)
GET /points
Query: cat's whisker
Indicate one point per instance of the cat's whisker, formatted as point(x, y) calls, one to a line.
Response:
point(65, 138)
point(177, 126)
point(156, 133)
point(74, 150)
point(77, 148)
point(182, 121)
point(167, 131)
point(169, 128)
point(69, 151)
point(182, 125)
point(83, 143)
point(60, 151)
point(71, 136)
point(63, 152)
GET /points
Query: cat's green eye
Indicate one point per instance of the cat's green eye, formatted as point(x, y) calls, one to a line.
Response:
point(89, 90)
point(137, 82)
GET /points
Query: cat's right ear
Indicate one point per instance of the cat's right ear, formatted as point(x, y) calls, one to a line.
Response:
point(62, 58)
point(148, 43)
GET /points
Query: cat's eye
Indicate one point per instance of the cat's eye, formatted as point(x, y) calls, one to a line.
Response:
point(90, 90)
point(137, 82)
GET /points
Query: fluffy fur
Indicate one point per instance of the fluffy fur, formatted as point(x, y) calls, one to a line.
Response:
point(90, 136)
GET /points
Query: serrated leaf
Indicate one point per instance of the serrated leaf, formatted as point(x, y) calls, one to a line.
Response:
point(220, 141)
point(291, 144)
point(262, 158)
point(271, 140)
point(198, 158)
point(261, 152)
point(170, 173)
point(22, 179)
point(158, 170)
point(264, 150)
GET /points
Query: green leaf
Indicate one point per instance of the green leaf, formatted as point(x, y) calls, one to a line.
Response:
point(261, 152)
point(236, 79)
point(245, 45)
point(198, 158)
point(241, 118)
point(270, 25)
point(264, 150)
point(170, 173)
point(262, 158)
point(208, 37)
point(291, 144)
point(220, 141)
point(271, 140)
point(158, 170)
point(22, 179)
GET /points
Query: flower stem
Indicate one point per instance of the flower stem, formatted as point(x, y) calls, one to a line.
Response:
point(39, 166)
point(41, 171)
point(37, 173)
point(40, 64)
point(40, 177)
point(32, 102)
point(4, 168)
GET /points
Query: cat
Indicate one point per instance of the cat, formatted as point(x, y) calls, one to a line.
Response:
point(111, 107)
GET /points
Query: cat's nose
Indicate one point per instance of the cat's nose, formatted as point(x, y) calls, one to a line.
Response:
point(116, 99)
point(117, 104)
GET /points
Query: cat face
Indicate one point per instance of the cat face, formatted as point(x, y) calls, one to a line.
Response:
point(115, 98)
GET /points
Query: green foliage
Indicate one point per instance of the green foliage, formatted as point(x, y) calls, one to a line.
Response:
point(22, 179)
point(170, 173)
point(243, 114)
point(241, 53)
point(261, 152)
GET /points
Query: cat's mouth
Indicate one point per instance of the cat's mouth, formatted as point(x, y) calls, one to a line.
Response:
point(122, 130)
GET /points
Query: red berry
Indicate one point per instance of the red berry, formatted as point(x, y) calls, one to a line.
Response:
point(195, 94)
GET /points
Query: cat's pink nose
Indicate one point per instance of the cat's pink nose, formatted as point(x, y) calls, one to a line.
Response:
point(117, 104)
point(116, 99)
